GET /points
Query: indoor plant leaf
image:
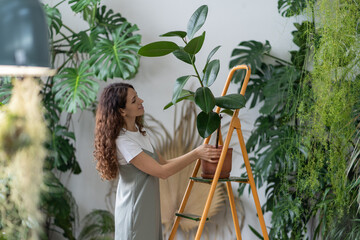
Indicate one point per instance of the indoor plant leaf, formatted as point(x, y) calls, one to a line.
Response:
point(207, 123)
point(231, 101)
point(58, 203)
point(197, 20)
point(117, 57)
point(84, 43)
point(184, 56)
point(107, 20)
point(211, 54)
point(53, 17)
point(5, 90)
point(180, 34)
point(62, 151)
point(211, 73)
point(205, 99)
point(184, 95)
point(195, 44)
point(74, 88)
point(99, 224)
point(79, 5)
point(179, 84)
point(158, 49)
point(277, 87)
point(289, 8)
point(248, 52)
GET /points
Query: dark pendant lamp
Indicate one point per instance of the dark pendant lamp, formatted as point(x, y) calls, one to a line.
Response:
point(24, 45)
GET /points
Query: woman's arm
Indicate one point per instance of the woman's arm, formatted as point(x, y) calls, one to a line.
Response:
point(148, 165)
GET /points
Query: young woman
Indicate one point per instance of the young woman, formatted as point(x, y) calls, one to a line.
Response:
point(123, 148)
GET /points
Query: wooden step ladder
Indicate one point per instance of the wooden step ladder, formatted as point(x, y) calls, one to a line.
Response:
point(234, 125)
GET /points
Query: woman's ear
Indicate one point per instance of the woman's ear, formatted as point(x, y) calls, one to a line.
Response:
point(122, 112)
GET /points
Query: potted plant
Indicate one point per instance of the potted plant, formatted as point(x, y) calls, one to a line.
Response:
point(207, 120)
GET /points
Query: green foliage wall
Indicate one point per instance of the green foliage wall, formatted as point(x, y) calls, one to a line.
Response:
point(305, 142)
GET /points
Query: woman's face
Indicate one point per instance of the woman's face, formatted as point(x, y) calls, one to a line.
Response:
point(133, 107)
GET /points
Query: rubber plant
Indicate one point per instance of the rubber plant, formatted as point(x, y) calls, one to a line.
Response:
point(207, 120)
point(107, 48)
point(303, 144)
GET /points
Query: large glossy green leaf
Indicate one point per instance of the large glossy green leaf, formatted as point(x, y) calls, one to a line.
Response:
point(79, 5)
point(117, 57)
point(249, 53)
point(158, 49)
point(184, 56)
point(290, 8)
point(53, 17)
point(231, 101)
point(211, 73)
point(184, 95)
point(180, 34)
point(205, 99)
point(179, 84)
point(195, 44)
point(74, 88)
point(196, 21)
point(211, 54)
point(207, 123)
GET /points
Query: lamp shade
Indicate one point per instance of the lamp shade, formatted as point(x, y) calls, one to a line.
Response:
point(24, 45)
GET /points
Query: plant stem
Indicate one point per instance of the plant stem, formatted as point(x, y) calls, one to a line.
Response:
point(68, 28)
point(279, 59)
point(197, 73)
point(59, 3)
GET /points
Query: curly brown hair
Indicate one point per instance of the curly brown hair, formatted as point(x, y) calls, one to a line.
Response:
point(109, 123)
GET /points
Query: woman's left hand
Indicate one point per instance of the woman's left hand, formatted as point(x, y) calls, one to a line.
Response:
point(208, 153)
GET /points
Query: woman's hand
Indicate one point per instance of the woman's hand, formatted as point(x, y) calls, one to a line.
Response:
point(208, 153)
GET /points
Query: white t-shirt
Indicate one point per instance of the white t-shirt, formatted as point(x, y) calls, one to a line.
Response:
point(130, 144)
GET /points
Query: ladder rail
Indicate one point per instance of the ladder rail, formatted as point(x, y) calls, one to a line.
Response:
point(234, 125)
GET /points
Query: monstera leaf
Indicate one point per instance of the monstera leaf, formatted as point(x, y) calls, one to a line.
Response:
point(107, 20)
point(117, 57)
point(62, 151)
point(84, 43)
point(249, 53)
point(289, 8)
point(58, 204)
point(53, 17)
point(196, 21)
point(99, 224)
point(80, 5)
point(74, 88)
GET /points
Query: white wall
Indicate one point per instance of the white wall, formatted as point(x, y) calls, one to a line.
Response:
point(228, 23)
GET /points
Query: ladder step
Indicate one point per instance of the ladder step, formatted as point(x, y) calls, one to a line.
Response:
point(190, 216)
point(230, 179)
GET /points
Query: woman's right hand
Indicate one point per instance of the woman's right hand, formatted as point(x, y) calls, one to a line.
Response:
point(208, 153)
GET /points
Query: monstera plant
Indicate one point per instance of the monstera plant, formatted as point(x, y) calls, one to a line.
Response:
point(207, 120)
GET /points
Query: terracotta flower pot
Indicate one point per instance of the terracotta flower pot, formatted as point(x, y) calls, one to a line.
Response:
point(209, 169)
